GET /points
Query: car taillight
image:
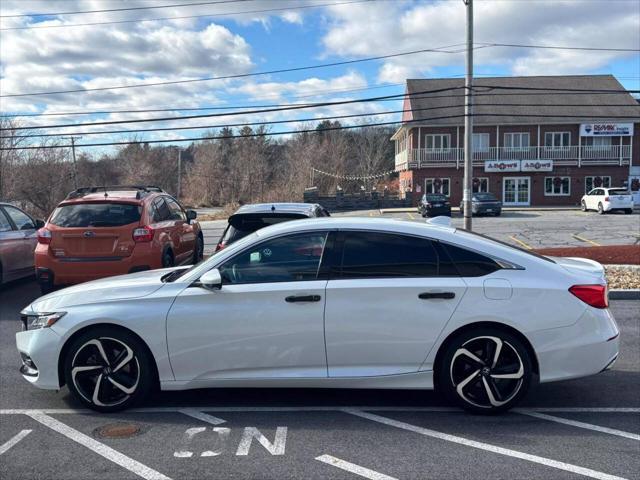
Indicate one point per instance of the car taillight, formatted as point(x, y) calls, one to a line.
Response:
point(143, 234)
point(220, 246)
point(44, 236)
point(606, 199)
point(594, 295)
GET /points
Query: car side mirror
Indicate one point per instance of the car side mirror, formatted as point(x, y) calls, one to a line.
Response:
point(191, 215)
point(211, 280)
point(39, 223)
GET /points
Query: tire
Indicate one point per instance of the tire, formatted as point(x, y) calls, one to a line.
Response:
point(46, 288)
point(600, 209)
point(198, 250)
point(498, 213)
point(583, 206)
point(128, 364)
point(628, 211)
point(167, 258)
point(467, 380)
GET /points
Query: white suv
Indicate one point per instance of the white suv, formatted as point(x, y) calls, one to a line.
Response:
point(607, 199)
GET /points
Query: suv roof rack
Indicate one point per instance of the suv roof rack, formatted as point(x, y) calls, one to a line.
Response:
point(141, 190)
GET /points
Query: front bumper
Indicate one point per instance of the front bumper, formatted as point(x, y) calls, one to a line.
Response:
point(479, 209)
point(42, 348)
point(589, 346)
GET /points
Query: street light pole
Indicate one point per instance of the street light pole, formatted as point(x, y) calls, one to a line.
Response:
point(179, 189)
point(468, 120)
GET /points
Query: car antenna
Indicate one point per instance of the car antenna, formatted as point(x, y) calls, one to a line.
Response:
point(105, 191)
point(273, 208)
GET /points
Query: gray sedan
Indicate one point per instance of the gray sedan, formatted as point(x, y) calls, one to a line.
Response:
point(18, 239)
point(484, 203)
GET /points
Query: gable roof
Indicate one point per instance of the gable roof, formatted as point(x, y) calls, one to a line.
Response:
point(535, 106)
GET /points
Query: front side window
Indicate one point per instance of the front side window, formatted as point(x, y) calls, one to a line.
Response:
point(594, 182)
point(386, 255)
point(438, 141)
point(480, 142)
point(516, 140)
point(176, 211)
point(480, 185)
point(557, 186)
point(557, 140)
point(437, 185)
point(21, 220)
point(293, 258)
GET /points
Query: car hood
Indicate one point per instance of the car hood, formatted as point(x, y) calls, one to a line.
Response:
point(134, 285)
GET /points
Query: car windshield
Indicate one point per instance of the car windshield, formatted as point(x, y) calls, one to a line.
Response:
point(484, 197)
point(435, 198)
point(107, 214)
point(241, 225)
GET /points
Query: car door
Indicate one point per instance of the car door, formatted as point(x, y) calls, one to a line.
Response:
point(265, 322)
point(25, 235)
point(386, 304)
point(183, 231)
point(594, 198)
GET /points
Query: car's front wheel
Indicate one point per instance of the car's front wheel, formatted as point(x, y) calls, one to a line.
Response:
point(108, 369)
point(485, 370)
point(583, 206)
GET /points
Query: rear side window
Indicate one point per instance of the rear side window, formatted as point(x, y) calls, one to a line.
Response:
point(383, 255)
point(467, 262)
point(21, 220)
point(161, 211)
point(96, 215)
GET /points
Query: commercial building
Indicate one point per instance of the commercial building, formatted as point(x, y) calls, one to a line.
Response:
point(536, 140)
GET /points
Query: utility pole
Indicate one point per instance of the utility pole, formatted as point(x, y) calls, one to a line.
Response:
point(468, 121)
point(179, 189)
point(73, 156)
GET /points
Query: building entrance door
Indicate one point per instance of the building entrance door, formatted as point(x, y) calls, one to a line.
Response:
point(516, 191)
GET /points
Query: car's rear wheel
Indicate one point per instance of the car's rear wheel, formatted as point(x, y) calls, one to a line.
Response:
point(485, 370)
point(167, 259)
point(600, 209)
point(583, 206)
point(108, 369)
point(628, 211)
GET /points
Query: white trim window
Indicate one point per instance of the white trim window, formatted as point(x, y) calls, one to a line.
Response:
point(481, 186)
point(590, 183)
point(557, 140)
point(437, 141)
point(480, 142)
point(437, 185)
point(557, 186)
point(597, 142)
point(516, 140)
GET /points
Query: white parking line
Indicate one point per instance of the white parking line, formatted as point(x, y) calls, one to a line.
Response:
point(574, 423)
point(12, 441)
point(205, 417)
point(568, 467)
point(353, 468)
point(99, 448)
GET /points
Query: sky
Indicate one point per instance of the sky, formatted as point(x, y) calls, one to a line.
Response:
point(55, 53)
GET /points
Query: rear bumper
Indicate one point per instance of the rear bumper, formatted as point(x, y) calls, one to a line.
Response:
point(69, 271)
point(589, 346)
point(609, 206)
point(434, 212)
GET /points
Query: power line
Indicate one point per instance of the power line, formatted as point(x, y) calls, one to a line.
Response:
point(241, 75)
point(269, 134)
point(426, 93)
point(556, 47)
point(314, 119)
point(76, 12)
point(184, 17)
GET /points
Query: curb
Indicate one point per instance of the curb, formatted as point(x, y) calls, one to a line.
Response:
point(633, 294)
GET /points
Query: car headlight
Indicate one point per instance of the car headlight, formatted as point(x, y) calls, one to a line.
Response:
point(35, 321)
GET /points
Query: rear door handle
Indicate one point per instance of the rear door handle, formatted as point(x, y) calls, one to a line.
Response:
point(432, 295)
point(302, 298)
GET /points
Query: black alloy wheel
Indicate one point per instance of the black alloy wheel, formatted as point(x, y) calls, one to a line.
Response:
point(485, 371)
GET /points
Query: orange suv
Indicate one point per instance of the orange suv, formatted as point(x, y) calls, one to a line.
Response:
point(102, 231)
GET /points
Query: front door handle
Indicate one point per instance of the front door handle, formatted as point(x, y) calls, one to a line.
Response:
point(302, 298)
point(432, 295)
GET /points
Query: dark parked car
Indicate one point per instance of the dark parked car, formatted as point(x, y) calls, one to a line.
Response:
point(18, 240)
point(484, 203)
point(250, 218)
point(433, 205)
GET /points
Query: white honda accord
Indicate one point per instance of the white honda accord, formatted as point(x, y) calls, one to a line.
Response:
point(330, 303)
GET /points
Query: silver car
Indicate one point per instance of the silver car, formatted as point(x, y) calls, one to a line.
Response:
point(18, 239)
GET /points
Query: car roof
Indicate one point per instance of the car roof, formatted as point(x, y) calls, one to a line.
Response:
point(301, 208)
point(131, 196)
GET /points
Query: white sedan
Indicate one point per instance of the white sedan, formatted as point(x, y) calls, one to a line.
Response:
point(332, 303)
point(607, 200)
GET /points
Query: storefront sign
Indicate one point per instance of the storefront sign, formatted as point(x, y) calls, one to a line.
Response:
point(536, 166)
point(606, 129)
point(502, 166)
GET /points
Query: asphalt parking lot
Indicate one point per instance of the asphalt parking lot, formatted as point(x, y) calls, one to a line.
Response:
point(585, 428)
point(524, 228)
